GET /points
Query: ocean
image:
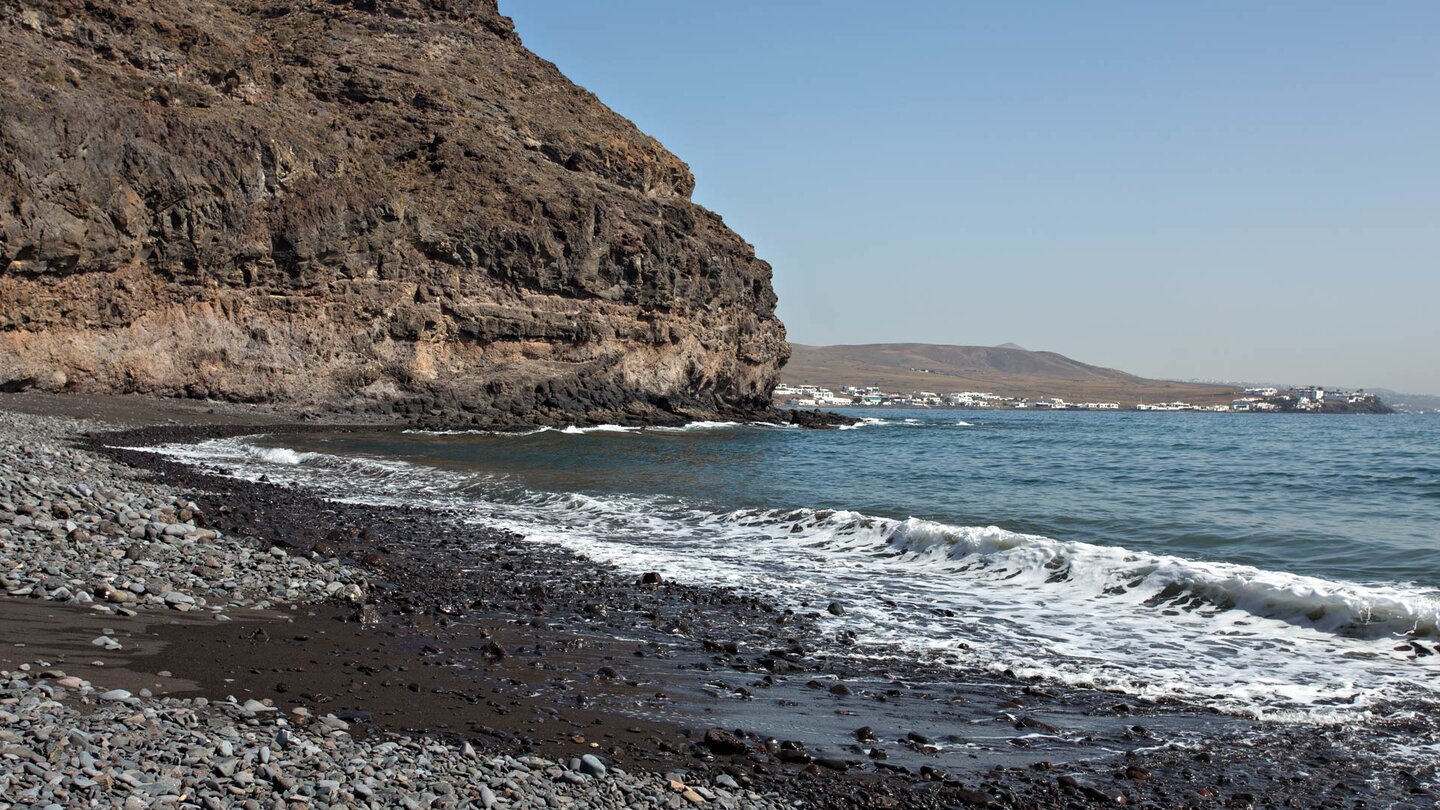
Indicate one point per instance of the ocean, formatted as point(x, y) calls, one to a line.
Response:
point(1276, 567)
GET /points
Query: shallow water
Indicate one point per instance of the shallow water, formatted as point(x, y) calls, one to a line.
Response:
point(1284, 567)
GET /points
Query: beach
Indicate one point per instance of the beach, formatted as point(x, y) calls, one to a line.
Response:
point(277, 645)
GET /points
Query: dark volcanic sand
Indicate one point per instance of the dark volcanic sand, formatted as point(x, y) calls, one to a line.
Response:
point(479, 635)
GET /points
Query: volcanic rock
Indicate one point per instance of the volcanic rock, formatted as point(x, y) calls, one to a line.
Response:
point(721, 741)
point(378, 206)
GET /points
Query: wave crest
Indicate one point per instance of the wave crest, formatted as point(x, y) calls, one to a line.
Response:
point(1238, 638)
point(1153, 580)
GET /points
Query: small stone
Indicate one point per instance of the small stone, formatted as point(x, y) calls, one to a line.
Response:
point(930, 774)
point(591, 764)
point(179, 600)
point(1037, 725)
point(975, 798)
point(720, 741)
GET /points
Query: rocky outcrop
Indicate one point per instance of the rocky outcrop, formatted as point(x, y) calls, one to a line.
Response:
point(373, 204)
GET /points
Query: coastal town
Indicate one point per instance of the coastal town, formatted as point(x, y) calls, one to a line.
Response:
point(1265, 399)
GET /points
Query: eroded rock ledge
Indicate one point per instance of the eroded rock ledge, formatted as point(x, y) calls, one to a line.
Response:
point(354, 205)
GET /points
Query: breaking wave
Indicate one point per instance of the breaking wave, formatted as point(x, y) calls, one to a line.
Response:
point(699, 426)
point(1237, 638)
point(279, 455)
point(1157, 581)
point(577, 430)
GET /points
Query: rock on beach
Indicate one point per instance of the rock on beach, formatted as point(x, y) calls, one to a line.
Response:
point(79, 529)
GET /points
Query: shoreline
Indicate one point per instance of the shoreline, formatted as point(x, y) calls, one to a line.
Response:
point(531, 634)
point(1111, 411)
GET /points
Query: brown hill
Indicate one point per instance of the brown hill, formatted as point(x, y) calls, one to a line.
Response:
point(903, 367)
point(355, 204)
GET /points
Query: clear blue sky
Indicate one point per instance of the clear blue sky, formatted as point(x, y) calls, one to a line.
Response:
point(1214, 190)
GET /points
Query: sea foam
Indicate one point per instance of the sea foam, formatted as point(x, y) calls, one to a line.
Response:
point(1239, 639)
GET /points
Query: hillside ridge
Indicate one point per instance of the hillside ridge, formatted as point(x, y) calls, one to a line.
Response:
point(945, 368)
point(377, 206)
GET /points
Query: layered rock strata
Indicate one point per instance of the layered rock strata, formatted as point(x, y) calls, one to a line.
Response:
point(354, 205)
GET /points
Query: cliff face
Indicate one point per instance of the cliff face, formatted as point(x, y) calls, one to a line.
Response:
point(369, 204)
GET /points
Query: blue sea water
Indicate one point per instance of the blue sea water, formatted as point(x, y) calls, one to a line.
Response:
point(1276, 566)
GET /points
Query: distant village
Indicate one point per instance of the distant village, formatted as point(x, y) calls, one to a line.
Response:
point(1310, 399)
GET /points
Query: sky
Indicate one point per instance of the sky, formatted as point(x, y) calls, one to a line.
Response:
point(1230, 191)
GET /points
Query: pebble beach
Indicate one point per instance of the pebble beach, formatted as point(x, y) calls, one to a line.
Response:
point(86, 533)
point(175, 637)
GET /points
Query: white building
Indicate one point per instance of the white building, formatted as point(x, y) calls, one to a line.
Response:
point(810, 396)
point(1167, 406)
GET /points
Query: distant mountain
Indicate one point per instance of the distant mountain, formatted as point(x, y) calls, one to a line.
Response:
point(1005, 370)
point(1410, 402)
point(1011, 346)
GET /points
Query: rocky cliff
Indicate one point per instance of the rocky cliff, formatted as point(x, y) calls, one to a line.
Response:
point(364, 205)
